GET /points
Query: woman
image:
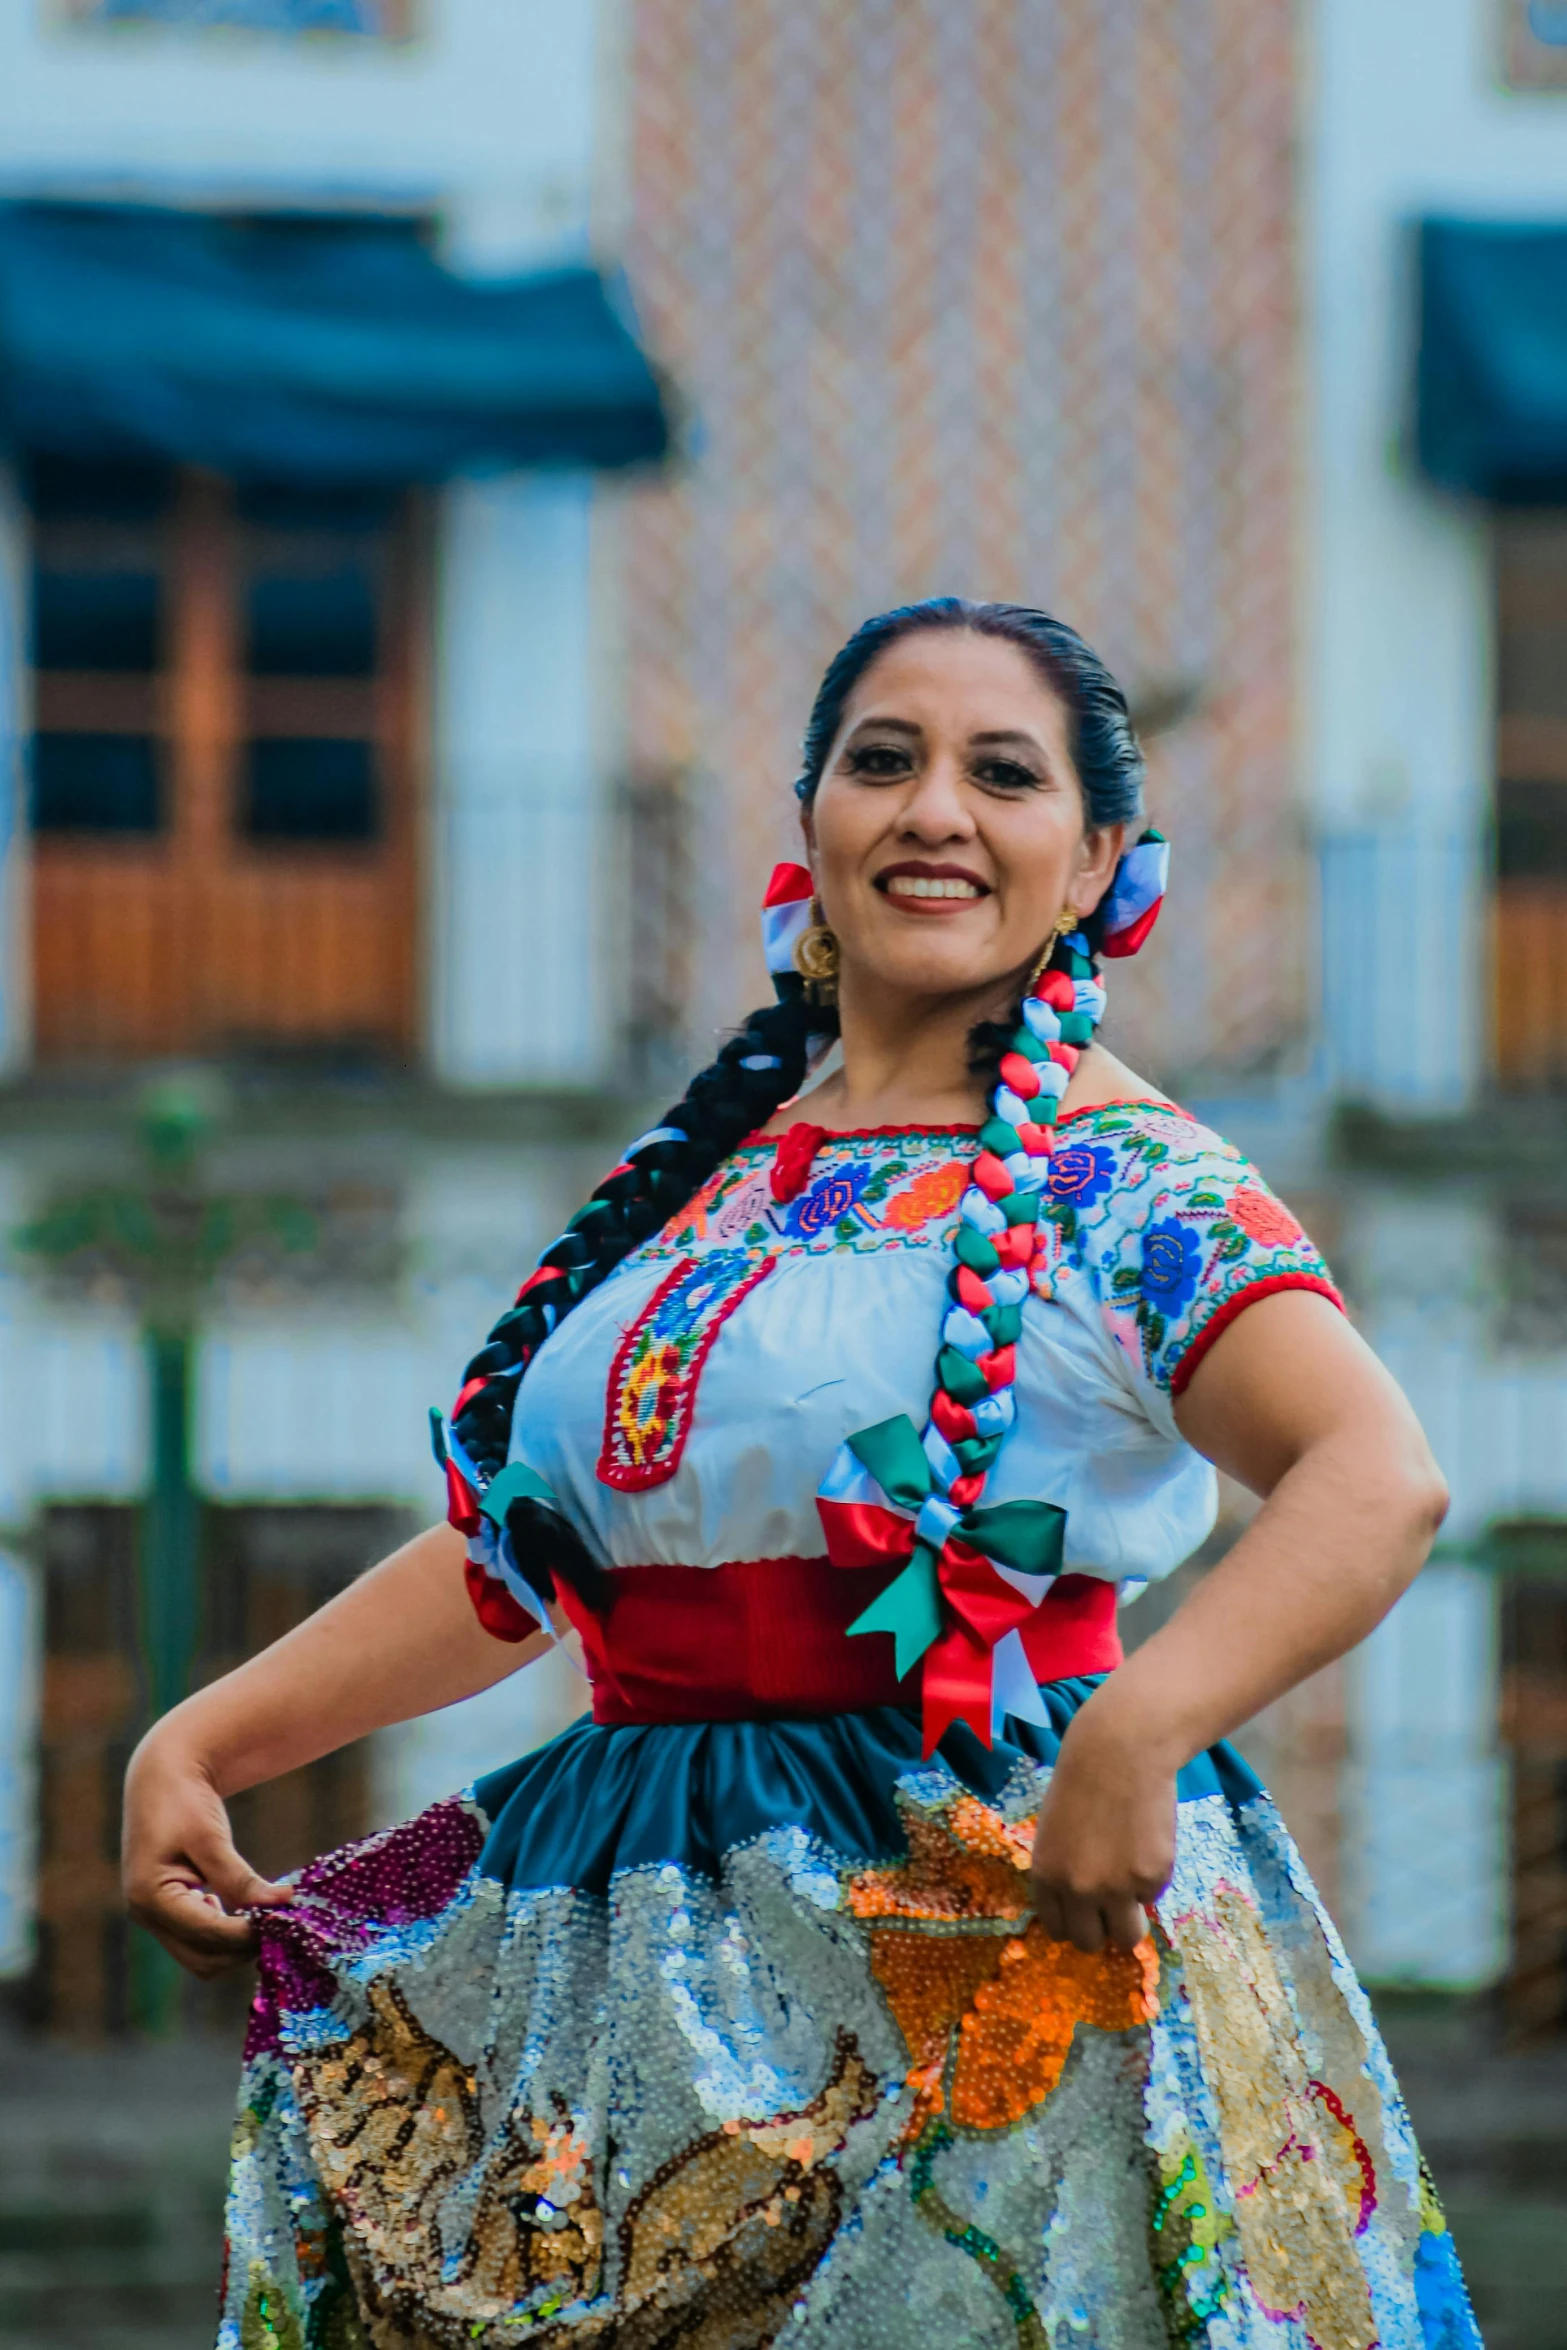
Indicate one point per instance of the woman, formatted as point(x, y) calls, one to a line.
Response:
point(761, 2007)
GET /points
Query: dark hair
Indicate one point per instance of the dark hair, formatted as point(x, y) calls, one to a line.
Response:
point(1105, 751)
point(765, 1062)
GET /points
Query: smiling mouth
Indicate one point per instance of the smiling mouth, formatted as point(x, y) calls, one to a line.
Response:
point(908, 883)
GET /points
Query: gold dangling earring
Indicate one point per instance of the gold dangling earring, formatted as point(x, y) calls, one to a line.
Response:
point(1068, 920)
point(816, 958)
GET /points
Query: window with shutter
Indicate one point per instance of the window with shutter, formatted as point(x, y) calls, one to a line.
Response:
point(228, 720)
point(1530, 919)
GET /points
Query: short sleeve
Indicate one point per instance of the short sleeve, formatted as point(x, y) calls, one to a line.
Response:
point(495, 1593)
point(1175, 1233)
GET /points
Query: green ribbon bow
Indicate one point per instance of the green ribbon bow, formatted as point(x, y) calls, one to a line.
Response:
point(1027, 1536)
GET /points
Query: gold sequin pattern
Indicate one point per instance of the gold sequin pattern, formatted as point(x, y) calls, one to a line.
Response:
point(816, 2104)
point(1297, 2185)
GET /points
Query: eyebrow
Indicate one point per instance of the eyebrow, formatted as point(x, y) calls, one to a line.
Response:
point(1003, 737)
point(1016, 735)
point(1003, 734)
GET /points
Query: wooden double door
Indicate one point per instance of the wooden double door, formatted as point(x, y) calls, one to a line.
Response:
point(228, 720)
point(263, 1570)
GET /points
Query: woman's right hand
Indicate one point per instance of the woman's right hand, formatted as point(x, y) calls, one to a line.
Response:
point(183, 1879)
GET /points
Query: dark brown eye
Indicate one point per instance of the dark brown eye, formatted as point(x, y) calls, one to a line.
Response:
point(878, 759)
point(1006, 775)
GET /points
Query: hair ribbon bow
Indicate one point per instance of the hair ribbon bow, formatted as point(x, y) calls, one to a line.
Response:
point(971, 1577)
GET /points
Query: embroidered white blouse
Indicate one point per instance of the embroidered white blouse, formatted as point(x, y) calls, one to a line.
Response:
point(685, 1413)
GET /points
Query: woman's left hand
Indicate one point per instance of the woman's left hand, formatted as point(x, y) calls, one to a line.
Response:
point(1105, 1845)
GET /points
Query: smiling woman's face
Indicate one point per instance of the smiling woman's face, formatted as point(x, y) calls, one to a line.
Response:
point(949, 829)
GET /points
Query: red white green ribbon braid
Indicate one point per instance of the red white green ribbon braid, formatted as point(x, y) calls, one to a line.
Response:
point(974, 1575)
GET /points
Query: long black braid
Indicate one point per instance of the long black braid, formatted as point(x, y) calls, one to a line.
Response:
point(758, 1068)
point(763, 1064)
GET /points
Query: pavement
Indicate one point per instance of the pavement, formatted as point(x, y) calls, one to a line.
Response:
point(111, 2192)
point(112, 2164)
point(1492, 2123)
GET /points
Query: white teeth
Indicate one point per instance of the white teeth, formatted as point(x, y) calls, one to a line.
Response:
point(913, 885)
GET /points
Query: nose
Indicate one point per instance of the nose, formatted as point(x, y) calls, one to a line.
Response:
point(937, 807)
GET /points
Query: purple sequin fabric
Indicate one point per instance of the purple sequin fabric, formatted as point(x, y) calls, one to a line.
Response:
point(791, 2100)
point(348, 1900)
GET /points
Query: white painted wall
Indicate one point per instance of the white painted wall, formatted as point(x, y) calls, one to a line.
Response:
point(1495, 1415)
point(1405, 118)
point(520, 908)
point(331, 1402)
point(494, 104)
point(73, 1391)
point(1425, 1848)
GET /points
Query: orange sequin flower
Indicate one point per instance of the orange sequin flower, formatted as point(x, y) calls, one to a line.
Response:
point(986, 2002)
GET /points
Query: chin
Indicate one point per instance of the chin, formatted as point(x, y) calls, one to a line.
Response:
point(936, 967)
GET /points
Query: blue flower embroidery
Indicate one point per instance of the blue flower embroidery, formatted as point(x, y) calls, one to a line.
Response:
point(829, 1200)
point(1172, 1264)
point(708, 1280)
point(1081, 1172)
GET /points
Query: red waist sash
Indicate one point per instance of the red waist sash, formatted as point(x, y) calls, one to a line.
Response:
point(769, 1637)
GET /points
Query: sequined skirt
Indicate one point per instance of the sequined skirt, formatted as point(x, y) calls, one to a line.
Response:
point(735, 2034)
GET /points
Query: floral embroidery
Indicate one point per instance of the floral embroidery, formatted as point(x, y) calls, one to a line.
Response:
point(1265, 1218)
point(1081, 1172)
point(1173, 1228)
point(1170, 1225)
point(935, 1193)
point(743, 1210)
point(653, 1379)
point(1172, 1264)
point(867, 1191)
point(828, 1201)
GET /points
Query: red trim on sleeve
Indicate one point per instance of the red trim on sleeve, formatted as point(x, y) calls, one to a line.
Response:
point(1251, 1295)
point(503, 1617)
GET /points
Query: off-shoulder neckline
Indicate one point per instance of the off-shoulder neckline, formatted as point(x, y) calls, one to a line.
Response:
point(1141, 1101)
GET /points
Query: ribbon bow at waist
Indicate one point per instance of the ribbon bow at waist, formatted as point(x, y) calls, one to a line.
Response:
point(972, 1577)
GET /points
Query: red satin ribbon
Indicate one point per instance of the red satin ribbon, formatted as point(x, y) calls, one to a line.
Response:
point(955, 1680)
point(957, 1667)
point(864, 1534)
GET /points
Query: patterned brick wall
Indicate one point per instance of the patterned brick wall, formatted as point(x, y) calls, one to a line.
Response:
point(993, 296)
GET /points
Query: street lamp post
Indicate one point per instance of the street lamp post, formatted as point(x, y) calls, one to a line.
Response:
point(166, 1238)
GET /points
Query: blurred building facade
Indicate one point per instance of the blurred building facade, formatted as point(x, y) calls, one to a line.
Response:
point(1114, 308)
point(313, 774)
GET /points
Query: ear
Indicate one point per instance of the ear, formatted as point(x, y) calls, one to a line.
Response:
point(808, 828)
point(1097, 858)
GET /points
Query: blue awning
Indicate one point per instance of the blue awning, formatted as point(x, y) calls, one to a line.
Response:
point(335, 352)
point(1492, 372)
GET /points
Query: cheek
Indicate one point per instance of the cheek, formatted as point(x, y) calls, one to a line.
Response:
point(1035, 861)
point(846, 825)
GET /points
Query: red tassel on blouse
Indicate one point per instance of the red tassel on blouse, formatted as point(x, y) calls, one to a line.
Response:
point(792, 1165)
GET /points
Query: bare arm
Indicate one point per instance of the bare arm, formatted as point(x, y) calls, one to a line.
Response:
point(402, 1640)
point(1292, 1403)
